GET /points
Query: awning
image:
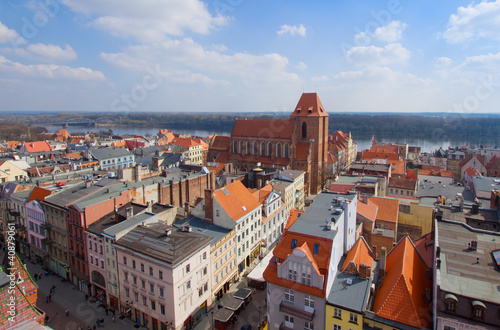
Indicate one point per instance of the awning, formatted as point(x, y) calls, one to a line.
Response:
point(477, 303)
point(232, 303)
point(242, 293)
point(223, 315)
point(451, 296)
point(257, 274)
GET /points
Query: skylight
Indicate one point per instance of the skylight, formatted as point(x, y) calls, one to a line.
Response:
point(224, 190)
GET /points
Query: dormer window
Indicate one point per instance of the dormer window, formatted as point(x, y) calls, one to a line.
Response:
point(294, 243)
point(316, 248)
point(310, 110)
point(299, 109)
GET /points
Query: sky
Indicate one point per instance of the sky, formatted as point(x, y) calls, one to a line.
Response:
point(249, 55)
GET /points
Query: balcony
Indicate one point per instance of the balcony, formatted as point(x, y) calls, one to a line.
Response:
point(285, 326)
point(46, 226)
point(289, 308)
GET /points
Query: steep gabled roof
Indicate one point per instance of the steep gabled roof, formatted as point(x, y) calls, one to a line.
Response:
point(39, 193)
point(221, 142)
point(238, 201)
point(368, 210)
point(263, 128)
point(309, 105)
point(359, 254)
point(37, 146)
point(401, 296)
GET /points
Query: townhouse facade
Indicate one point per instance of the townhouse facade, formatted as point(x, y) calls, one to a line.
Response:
point(163, 276)
point(35, 217)
point(111, 159)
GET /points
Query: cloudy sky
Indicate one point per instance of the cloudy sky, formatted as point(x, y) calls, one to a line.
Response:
point(249, 55)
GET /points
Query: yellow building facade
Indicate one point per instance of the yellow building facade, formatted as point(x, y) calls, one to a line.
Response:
point(416, 215)
point(342, 319)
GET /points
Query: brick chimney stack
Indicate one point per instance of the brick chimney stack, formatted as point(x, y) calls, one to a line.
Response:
point(209, 205)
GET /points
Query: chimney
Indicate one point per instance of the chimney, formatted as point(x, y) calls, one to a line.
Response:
point(187, 208)
point(227, 168)
point(130, 212)
point(383, 261)
point(364, 271)
point(209, 206)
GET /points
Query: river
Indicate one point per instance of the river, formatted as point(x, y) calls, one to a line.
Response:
point(427, 145)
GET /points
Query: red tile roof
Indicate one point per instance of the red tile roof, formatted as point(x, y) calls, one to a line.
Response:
point(424, 246)
point(339, 136)
point(359, 254)
point(368, 210)
point(341, 188)
point(402, 183)
point(39, 194)
point(371, 155)
point(220, 142)
point(472, 172)
point(64, 133)
point(388, 209)
point(263, 193)
point(264, 128)
point(185, 142)
point(401, 296)
point(309, 105)
point(238, 202)
point(37, 146)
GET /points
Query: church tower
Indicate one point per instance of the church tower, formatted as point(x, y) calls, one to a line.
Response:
point(311, 133)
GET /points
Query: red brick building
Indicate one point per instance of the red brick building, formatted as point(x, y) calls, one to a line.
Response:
point(297, 143)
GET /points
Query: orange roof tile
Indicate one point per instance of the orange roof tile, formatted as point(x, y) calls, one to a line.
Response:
point(398, 167)
point(238, 202)
point(368, 210)
point(39, 194)
point(399, 297)
point(263, 193)
point(338, 136)
point(309, 105)
point(402, 183)
point(359, 254)
point(294, 216)
point(371, 155)
point(37, 146)
point(263, 128)
point(472, 172)
point(13, 144)
point(411, 174)
point(388, 209)
point(341, 188)
point(424, 246)
point(185, 142)
point(64, 133)
point(220, 142)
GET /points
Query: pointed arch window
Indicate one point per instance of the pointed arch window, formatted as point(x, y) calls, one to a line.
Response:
point(235, 147)
point(255, 151)
point(262, 149)
point(304, 130)
point(248, 148)
point(287, 150)
point(269, 149)
point(279, 150)
point(240, 149)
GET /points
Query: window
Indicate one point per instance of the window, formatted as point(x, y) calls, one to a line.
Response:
point(278, 150)
point(309, 325)
point(289, 295)
point(337, 327)
point(288, 318)
point(161, 292)
point(136, 297)
point(142, 267)
point(290, 274)
point(309, 301)
point(204, 255)
point(294, 243)
point(205, 271)
point(160, 275)
point(162, 309)
point(217, 213)
point(295, 275)
point(151, 288)
point(303, 278)
point(153, 305)
point(133, 264)
point(125, 261)
point(151, 271)
point(127, 292)
point(308, 280)
point(353, 318)
point(451, 305)
point(200, 292)
point(269, 149)
point(134, 280)
point(188, 285)
point(144, 301)
point(316, 248)
point(143, 284)
point(188, 268)
point(337, 313)
point(304, 130)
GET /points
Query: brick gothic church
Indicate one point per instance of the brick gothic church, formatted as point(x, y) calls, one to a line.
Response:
point(297, 143)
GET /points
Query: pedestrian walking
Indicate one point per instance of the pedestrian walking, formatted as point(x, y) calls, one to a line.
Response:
point(67, 311)
point(114, 313)
point(113, 318)
point(54, 289)
point(50, 297)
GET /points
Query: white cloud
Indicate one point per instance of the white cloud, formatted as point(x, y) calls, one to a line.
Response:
point(52, 52)
point(443, 62)
point(478, 20)
point(319, 78)
point(51, 71)
point(10, 35)
point(393, 53)
point(148, 20)
point(185, 53)
point(391, 32)
point(302, 66)
point(292, 30)
point(362, 38)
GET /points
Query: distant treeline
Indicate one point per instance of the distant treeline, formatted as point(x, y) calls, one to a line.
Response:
point(10, 131)
point(362, 126)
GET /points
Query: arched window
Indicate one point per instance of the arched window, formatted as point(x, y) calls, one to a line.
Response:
point(240, 149)
point(304, 130)
point(248, 147)
point(262, 149)
point(278, 150)
point(235, 147)
point(98, 279)
point(269, 149)
point(287, 150)
point(255, 151)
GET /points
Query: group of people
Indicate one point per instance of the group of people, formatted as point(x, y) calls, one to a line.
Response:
point(51, 293)
point(37, 276)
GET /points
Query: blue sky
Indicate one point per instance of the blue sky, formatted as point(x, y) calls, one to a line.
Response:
point(242, 55)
